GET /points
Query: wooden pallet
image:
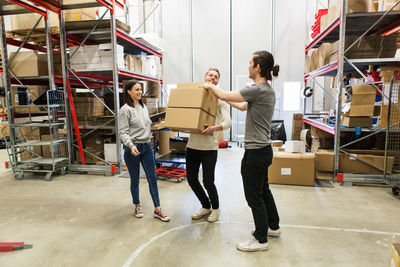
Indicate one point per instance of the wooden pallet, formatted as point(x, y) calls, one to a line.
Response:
point(38, 36)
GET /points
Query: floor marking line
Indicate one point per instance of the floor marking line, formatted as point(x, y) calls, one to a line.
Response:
point(142, 247)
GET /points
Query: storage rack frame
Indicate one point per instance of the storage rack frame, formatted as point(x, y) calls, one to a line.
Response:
point(110, 79)
point(386, 23)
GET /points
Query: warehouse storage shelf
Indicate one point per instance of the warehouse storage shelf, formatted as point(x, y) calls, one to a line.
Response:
point(71, 36)
point(47, 161)
point(36, 124)
point(102, 36)
point(13, 7)
point(123, 74)
point(40, 143)
point(362, 64)
point(329, 128)
point(356, 23)
point(360, 24)
point(320, 125)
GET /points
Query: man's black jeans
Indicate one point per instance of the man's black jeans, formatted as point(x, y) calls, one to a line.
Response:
point(254, 171)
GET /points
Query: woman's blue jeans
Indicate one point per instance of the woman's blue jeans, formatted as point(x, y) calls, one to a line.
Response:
point(147, 159)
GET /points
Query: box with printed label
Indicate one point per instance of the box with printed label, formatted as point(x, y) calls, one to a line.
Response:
point(188, 119)
point(292, 168)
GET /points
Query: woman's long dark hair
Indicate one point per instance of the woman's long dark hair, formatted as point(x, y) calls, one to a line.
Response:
point(127, 87)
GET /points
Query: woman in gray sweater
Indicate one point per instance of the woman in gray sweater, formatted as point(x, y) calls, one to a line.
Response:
point(135, 133)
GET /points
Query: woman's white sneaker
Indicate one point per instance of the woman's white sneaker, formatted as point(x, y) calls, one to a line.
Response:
point(200, 214)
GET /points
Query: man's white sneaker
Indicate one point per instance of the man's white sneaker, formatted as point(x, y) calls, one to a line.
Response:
point(252, 245)
point(200, 214)
point(272, 233)
point(213, 217)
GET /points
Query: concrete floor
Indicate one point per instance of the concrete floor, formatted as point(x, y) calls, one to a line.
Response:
point(86, 220)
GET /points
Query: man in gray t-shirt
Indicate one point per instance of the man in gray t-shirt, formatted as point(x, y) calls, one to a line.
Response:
point(260, 108)
point(259, 101)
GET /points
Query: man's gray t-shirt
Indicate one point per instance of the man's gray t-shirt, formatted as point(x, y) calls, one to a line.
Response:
point(260, 108)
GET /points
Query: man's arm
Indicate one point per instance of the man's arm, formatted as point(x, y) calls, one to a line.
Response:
point(240, 106)
point(231, 96)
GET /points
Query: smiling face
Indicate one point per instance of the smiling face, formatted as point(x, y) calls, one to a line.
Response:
point(212, 77)
point(136, 93)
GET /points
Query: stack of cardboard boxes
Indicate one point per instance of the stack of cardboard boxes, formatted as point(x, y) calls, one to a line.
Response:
point(87, 108)
point(386, 75)
point(93, 57)
point(293, 166)
point(357, 112)
point(190, 108)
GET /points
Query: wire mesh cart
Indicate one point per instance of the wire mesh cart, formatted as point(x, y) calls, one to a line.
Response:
point(392, 145)
point(22, 150)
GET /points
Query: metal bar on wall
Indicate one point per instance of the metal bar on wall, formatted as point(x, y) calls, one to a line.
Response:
point(50, 61)
point(116, 89)
point(340, 85)
point(7, 86)
point(70, 109)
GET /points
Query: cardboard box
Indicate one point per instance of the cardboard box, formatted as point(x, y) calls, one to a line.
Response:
point(394, 116)
point(384, 5)
point(291, 168)
point(297, 126)
point(324, 160)
point(318, 133)
point(164, 141)
point(362, 101)
point(88, 106)
point(188, 119)
point(357, 122)
point(110, 152)
point(357, 6)
point(326, 176)
point(80, 14)
point(152, 104)
point(322, 143)
point(178, 143)
point(29, 64)
point(194, 98)
point(349, 163)
point(395, 255)
point(295, 147)
point(368, 47)
point(276, 143)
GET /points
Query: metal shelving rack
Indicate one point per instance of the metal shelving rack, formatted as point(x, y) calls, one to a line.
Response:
point(93, 79)
point(55, 104)
point(383, 23)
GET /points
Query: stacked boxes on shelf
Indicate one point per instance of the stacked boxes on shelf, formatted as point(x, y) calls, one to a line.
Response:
point(96, 57)
point(87, 108)
point(359, 109)
point(386, 75)
point(190, 108)
point(141, 63)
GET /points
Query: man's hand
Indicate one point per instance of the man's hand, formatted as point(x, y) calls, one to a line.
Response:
point(208, 130)
point(134, 151)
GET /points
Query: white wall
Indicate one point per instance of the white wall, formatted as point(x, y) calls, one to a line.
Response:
point(251, 31)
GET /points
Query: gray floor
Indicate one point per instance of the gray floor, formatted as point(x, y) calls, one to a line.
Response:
point(85, 220)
